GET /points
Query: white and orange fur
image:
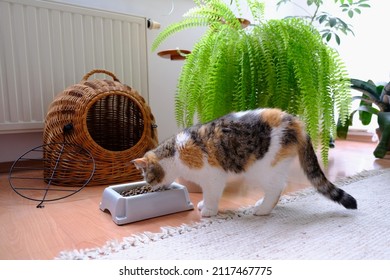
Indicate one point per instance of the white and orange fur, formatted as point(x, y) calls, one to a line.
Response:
point(256, 147)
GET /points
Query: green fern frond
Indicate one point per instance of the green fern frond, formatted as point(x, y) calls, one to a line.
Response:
point(253, 73)
point(217, 89)
point(190, 87)
point(225, 13)
point(268, 74)
point(241, 88)
point(303, 60)
point(340, 87)
point(208, 13)
point(179, 26)
point(257, 9)
point(279, 36)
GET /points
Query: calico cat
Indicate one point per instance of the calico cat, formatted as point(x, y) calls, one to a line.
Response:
point(257, 146)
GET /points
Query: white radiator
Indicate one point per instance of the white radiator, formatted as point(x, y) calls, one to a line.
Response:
point(46, 47)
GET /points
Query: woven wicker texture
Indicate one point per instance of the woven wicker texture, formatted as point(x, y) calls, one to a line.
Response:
point(110, 120)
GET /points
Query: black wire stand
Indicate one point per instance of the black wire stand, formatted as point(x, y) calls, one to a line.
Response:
point(37, 168)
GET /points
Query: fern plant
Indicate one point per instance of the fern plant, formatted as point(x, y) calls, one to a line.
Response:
point(275, 63)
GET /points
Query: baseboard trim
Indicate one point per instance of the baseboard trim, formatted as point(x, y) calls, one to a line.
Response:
point(5, 166)
point(359, 135)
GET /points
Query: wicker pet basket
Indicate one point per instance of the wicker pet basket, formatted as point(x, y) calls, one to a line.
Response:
point(108, 119)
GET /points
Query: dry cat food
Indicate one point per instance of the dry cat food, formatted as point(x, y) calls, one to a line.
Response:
point(140, 190)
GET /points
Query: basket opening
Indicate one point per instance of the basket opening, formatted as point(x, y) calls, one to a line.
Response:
point(115, 122)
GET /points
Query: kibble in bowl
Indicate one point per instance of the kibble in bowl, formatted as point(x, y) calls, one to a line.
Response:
point(141, 190)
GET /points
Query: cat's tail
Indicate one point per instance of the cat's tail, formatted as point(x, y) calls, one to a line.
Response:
point(311, 167)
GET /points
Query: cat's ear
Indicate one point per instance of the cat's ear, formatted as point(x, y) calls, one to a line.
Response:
point(140, 163)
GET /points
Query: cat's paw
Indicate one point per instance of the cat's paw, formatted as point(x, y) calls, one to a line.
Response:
point(259, 202)
point(261, 211)
point(206, 212)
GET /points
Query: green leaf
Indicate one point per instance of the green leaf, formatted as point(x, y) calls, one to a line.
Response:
point(343, 23)
point(350, 13)
point(364, 116)
point(337, 39)
point(322, 18)
point(332, 22)
point(368, 109)
point(367, 88)
point(363, 97)
point(367, 112)
point(379, 90)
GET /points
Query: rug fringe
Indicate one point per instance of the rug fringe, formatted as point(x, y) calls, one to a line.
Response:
point(360, 176)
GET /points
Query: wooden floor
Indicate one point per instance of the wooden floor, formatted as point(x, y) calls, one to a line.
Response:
point(27, 232)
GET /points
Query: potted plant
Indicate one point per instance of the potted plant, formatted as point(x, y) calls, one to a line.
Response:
point(379, 96)
point(275, 63)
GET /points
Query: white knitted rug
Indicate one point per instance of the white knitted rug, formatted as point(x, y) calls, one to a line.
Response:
point(303, 226)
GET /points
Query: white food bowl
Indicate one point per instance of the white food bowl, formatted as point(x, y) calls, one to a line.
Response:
point(128, 209)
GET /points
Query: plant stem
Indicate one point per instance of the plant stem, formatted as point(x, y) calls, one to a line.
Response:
point(315, 14)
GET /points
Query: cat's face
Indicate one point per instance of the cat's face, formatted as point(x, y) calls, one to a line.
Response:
point(152, 170)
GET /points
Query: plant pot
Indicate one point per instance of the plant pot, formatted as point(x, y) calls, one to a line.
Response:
point(128, 209)
point(383, 134)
